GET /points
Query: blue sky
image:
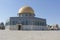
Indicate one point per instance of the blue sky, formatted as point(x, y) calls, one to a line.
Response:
point(49, 9)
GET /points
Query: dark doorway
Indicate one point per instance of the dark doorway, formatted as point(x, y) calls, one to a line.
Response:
point(19, 27)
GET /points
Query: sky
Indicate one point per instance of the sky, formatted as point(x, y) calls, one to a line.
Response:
point(47, 9)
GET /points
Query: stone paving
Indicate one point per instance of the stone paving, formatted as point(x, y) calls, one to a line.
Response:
point(29, 35)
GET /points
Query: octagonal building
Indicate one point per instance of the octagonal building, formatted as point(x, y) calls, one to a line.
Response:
point(26, 20)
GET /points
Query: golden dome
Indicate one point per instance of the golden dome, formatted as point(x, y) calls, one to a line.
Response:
point(26, 9)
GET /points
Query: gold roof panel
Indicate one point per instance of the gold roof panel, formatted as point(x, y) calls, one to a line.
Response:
point(26, 9)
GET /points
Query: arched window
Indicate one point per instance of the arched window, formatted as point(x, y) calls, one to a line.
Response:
point(26, 22)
